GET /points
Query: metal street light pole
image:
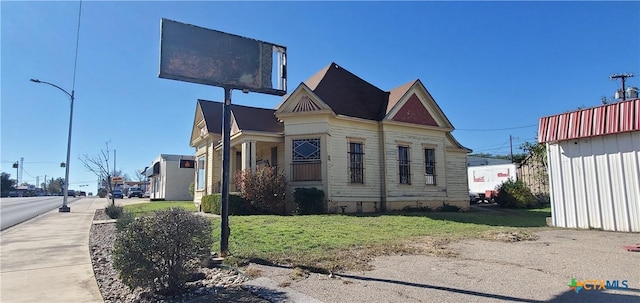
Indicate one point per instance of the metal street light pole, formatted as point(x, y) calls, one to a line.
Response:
point(64, 208)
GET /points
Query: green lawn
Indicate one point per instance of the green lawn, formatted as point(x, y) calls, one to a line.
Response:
point(347, 242)
point(334, 242)
point(147, 208)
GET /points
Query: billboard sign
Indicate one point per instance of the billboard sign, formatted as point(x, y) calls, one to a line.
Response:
point(199, 55)
point(187, 163)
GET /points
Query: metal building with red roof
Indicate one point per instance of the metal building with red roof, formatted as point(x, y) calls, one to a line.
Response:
point(594, 166)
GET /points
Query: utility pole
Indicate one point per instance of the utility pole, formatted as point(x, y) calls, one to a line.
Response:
point(511, 147)
point(21, 168)
point(16, 165)
point(623, 77)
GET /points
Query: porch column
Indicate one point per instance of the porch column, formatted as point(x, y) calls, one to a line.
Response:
point(249, 155)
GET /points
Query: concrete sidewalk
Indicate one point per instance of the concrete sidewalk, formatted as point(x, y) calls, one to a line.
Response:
point(46, 259)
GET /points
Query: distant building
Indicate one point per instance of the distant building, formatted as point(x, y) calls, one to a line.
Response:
point(170, 176)
point(594, 170)
point(479, 161)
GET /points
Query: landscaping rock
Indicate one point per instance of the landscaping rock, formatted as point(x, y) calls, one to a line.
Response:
point(215, 284)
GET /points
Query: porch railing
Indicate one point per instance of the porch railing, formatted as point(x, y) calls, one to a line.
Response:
point(306, 171)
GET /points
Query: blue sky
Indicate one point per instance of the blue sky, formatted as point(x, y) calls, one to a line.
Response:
point(489, 65)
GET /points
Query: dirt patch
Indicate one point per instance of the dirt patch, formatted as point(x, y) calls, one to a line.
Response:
point(510, 236)
point(438, 247)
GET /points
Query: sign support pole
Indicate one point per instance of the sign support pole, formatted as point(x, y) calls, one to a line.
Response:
point(226, 155)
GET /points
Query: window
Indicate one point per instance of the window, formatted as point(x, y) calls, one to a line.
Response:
point(306, 160)
point(404, 171)
point(201, 175)
point(274, 156)
point(430, 166)
point(306, 150)
point(356, 165)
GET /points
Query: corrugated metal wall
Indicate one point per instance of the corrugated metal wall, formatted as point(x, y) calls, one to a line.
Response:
point(595, 182)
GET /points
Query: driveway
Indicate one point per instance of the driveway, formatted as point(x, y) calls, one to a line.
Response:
point(487, 271)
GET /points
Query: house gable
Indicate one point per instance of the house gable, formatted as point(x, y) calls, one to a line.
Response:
point(301, 101)
point(199, 129)
point(412, 103)
point(305, 104)
point(413, 111)
point(234, 125)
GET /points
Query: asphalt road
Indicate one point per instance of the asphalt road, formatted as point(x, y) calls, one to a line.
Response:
point(17, 210)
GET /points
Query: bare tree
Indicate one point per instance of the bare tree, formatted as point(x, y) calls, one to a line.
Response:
point(139, 176)
point(99, 165)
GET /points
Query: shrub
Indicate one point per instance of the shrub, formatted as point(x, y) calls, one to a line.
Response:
point(102, 193)
point(309, 200)
point(237, 204)
point(416, 209)
point(446, 207)
point(191, 189)
point(159, 252)
point(211, 204)
point(114, 211)
point(515, 194)
point(265, 189)
point(543, 198)
point(124, 220)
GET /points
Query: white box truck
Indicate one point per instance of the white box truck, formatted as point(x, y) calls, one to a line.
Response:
point(483, 180)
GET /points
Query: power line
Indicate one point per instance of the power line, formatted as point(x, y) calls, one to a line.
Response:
point(24, 170)
point(503, 146)
point(75, 61)
point(493, 145)
point(494, 129)
point(31, 162)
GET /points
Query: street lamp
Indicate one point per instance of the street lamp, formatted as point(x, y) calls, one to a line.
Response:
point(64, 208)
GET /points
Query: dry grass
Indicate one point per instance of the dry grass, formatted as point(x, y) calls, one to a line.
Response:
point(338, 243)
point(509, 236)
point(252, 273)
point(298, 274)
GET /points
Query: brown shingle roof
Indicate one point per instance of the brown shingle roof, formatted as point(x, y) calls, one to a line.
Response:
point(347, 94)
point(397, 93)
point(247, 117)
point(314, 80)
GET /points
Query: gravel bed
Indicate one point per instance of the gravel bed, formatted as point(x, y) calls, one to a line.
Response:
point(217, 285)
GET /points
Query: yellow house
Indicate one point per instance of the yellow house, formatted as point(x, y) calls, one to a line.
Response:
point(369, 150)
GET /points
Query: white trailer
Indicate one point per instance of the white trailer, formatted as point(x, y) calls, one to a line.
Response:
point(483, 180)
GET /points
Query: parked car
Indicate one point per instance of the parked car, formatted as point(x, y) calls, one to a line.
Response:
point(135, 192)
point(116, 194)
point(473, 197)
